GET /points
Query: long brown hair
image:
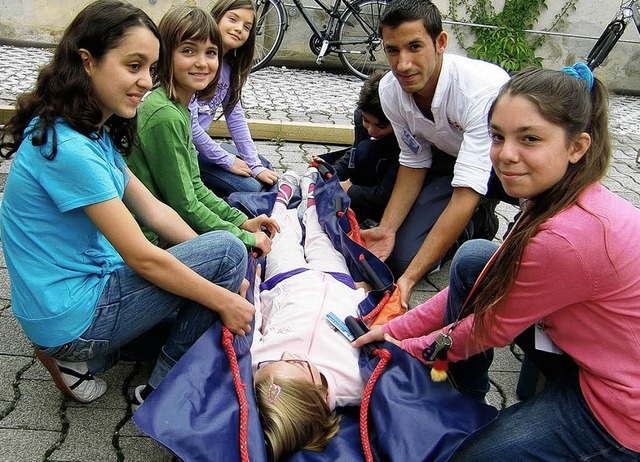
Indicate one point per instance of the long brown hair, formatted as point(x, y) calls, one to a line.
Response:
point(63, 88)
point(240, 59)
point(567, 102)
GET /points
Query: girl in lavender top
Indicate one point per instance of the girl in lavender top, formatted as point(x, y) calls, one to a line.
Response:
point(222, 171)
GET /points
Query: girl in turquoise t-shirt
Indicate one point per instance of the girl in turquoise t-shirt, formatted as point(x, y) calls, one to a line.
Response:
point(85, 280)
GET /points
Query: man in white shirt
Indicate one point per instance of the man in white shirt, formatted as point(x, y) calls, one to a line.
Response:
point(437, 104)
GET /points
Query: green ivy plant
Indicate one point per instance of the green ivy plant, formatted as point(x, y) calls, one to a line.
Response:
point(506, 44)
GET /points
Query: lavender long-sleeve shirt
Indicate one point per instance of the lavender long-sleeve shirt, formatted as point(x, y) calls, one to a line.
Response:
point(202, 115)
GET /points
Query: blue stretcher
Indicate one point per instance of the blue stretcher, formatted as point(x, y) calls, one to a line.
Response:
point(195, 411)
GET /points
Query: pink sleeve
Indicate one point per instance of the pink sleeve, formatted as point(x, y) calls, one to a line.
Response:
point(411, 327)
point(553, 275)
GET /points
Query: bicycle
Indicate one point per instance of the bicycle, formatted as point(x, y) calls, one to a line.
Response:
point(350, 33)
point(612, 33)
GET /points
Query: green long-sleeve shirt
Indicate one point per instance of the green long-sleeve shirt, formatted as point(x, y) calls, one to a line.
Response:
point(167, 165)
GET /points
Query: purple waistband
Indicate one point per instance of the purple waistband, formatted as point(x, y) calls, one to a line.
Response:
point(270, 283)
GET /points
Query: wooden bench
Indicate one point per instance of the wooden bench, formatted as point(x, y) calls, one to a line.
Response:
point(302, 132)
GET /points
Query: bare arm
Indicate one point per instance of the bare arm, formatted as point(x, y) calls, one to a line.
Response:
point(408, 185)
point(441, 238)
point(156, 215)
point(161, 268)
point(405, 192)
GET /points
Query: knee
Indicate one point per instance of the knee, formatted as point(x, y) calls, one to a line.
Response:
point(472, 256)
point(236, 251)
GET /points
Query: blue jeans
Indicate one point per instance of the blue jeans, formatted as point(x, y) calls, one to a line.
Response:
point(470, 376)
point(130, 306)
point(223, 182)
point(555, 425)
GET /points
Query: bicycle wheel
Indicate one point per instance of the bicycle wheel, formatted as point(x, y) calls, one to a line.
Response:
point(270, 27)
point(605, 43)
point(361, 49)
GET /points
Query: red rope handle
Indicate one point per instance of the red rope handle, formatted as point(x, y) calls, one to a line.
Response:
point(227, 343)
point(385, 356)
point(355, 228)
point(374, 312)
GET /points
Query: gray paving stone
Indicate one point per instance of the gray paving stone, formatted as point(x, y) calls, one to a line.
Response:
point(26, 445)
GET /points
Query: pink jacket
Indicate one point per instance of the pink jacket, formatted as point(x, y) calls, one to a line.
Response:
point(580, 275)
point(293, 320)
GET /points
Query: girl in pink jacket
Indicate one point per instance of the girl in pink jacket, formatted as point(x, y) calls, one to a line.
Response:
point(565, 285)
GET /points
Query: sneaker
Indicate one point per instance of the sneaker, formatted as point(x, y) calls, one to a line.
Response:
point(73, 378)
point(308, 186)
point(140, 393)
point(287, 186)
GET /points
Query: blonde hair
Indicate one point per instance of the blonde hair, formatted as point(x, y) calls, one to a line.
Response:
point(297, 417)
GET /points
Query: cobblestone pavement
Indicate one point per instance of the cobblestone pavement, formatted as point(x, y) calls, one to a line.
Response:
point(37, 423)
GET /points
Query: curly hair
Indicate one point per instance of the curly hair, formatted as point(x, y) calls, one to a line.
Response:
point(299, 418)
point(369, 98)
point(63, 88)
point(240, 59)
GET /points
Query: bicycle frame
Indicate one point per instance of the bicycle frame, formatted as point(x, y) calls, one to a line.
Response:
point(326, 36)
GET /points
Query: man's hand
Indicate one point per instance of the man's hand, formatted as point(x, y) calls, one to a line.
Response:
point(406, 285)
point(261, 221)
point(240, 168)
point(346, 184)
point(379, 241)
point(237, 314)
point(268, 177)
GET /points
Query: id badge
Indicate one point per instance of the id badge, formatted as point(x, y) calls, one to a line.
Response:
point(543, 342)
point(352, 158)
point(411, 141)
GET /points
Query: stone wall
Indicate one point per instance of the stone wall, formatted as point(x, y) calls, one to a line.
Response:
point(44, 21)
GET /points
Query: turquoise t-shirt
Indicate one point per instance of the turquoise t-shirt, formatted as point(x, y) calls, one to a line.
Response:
point(58, 260)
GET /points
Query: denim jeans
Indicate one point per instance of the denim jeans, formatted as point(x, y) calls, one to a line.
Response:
point(223, 182)
point(130, 306)
point(555, 425)
point(470, 376)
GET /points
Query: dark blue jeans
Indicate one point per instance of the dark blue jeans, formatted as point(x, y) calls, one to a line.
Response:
point(555, 425)
point(223, 183)
point(130, 306)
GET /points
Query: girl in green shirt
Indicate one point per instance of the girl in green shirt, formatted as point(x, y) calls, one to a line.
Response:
point(166, 159)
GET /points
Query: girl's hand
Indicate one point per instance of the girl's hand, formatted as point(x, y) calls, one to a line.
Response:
point(317, 159)
point(237, 314)
point(240, 168)
point(263, 242)
point(261, 221)
point(374, 335)
point(390, 339)
point(268, 177)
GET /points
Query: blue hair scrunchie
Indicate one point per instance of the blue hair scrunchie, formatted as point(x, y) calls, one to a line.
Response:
point(580, 71)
